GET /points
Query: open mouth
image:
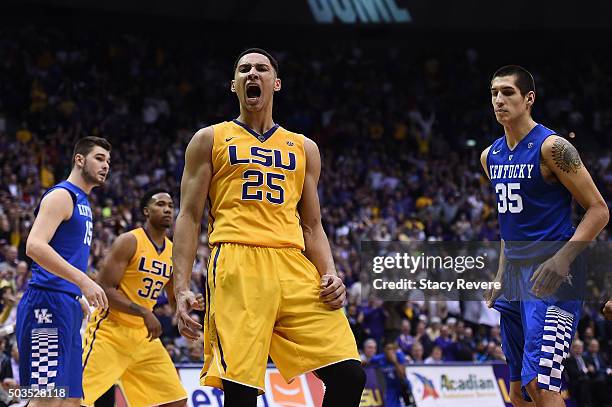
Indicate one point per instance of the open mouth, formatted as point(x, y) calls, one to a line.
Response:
point(253, 91)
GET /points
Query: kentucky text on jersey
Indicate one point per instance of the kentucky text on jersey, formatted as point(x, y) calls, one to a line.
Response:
point(510, 171)
point(85, 210)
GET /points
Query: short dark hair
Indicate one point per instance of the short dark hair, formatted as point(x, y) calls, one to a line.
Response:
point(261, 51)
point(524, 79)
point(146, 198)
point(86, 144)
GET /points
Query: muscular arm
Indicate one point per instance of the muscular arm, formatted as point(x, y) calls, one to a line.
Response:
point(315, 239)
point(112, 271)
point(317, 248)
point(197, 176)
point(194, 190)
point(55, 208)
point(562, 158)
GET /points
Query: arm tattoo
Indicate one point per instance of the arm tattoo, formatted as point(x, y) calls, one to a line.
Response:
point(566, 156)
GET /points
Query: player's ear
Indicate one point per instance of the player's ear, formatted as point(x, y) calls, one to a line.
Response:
point(145, 211)
point(530, 98)
point(233, 86)
point(79, 160)
point(277, 84)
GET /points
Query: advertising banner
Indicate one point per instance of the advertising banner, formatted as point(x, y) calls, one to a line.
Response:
point(454, 386)
point(432, 386)
point(305, 391)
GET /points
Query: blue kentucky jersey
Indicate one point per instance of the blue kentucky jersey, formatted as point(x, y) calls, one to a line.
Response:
point(72, 241)
point(529, 208)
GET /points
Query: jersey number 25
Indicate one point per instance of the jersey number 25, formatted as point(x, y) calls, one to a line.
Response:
point(251, 188)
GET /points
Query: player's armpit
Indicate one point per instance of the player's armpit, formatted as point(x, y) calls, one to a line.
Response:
point(562, 158)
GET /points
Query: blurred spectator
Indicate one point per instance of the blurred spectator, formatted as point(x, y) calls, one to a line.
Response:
point(600, 373)
point(422, 337)
point(577, 375)
point(433, 330)
point(405, 340)
point(392, 363)
point(370, 349)
point(195, 352)
point(374, 317)
point(435, 357)
point(6, 370)
point(417, 353)
point(445, 343)
point(355, 321)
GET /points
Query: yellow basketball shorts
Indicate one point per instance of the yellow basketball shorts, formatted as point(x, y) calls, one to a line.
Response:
point(265, 301)
point(114, 353)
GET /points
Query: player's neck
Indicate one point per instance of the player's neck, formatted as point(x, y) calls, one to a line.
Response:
point(157, 235)
point(77, 179)
point(260, 122)
point(517, 130)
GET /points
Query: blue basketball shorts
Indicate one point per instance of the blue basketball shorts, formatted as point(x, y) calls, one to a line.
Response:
point(536, 333)
point(49, 341)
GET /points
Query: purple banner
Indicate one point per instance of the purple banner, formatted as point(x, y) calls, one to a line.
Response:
point(373, 394)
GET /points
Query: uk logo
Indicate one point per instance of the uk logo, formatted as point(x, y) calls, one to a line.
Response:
point(42, 316)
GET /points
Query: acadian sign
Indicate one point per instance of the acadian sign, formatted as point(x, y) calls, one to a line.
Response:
point(454, 386)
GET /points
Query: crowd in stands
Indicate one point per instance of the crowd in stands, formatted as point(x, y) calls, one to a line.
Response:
point(400, 132)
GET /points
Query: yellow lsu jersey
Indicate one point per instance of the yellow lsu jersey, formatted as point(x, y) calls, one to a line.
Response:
point(145, 276)
point(256, 186)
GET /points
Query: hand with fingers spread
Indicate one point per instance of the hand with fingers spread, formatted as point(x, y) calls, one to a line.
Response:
point(549, 276)
point(186, 301)
point(333, 291)
point(154, 328)
point(94, 294)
